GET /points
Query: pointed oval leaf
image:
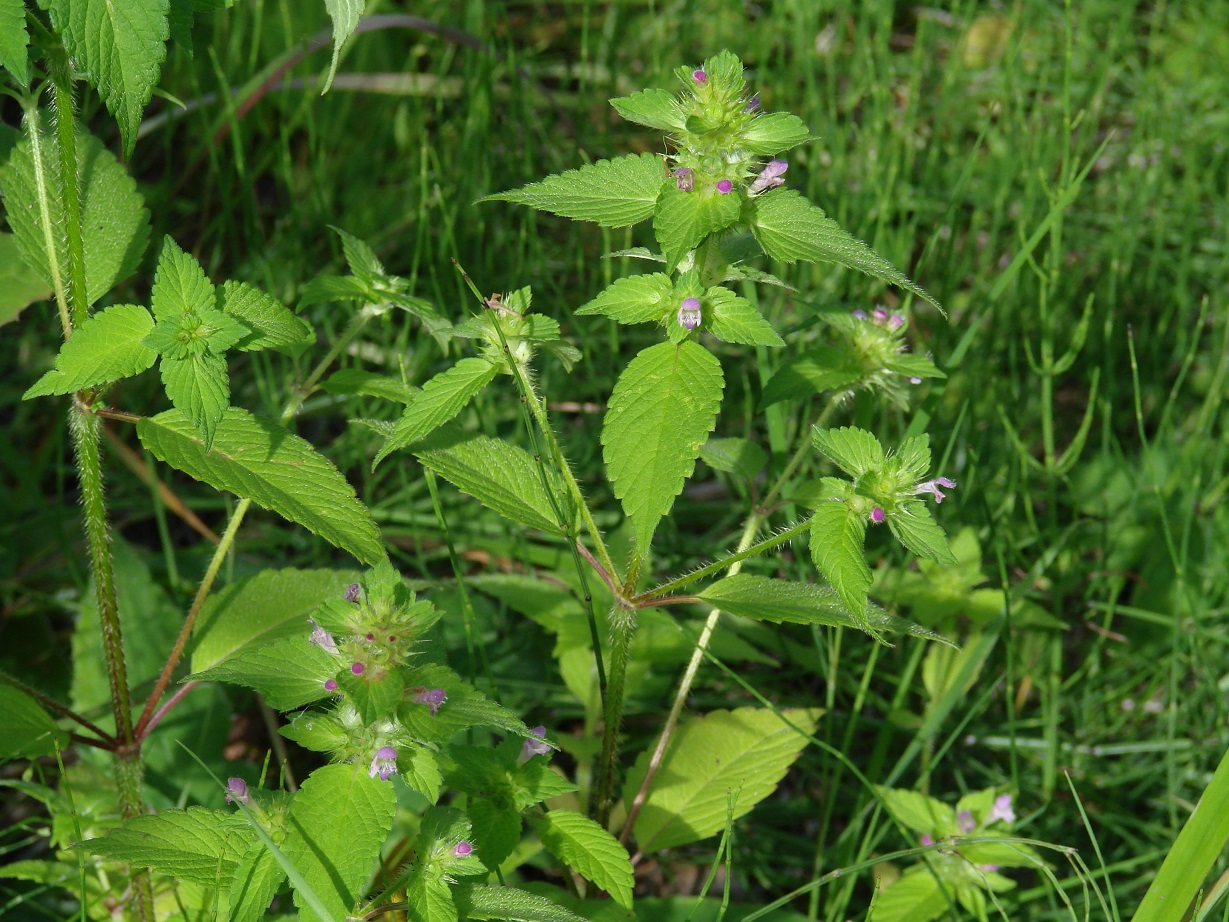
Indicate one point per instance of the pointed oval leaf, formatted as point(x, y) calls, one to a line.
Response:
point(196, 844)
point(790, 228)
point(199, 388)
point(612, 193)
point(289, 673)
point(652, 108)
point(824, 368)
point(837, 535)
point(14, 37)
point(635, 299)
point(513, 905)
point(107, 347)
point(916, 529)
point(855, 451)
point(682, 220)
point(735, 320)
point(774, 132)
point(589, 850)
point(271, 324)
point(661, 411)
point(440, 399)
point(27, 731)
point(259, 460)
point(741, 754)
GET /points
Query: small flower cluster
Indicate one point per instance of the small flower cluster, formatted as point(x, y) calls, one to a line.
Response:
point(967, 823)
point(879, 352)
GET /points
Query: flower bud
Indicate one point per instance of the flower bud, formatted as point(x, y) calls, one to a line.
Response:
point(699, 76)
point(463, 850)
point(352, 592)
point(237, 791)
point(724, 186)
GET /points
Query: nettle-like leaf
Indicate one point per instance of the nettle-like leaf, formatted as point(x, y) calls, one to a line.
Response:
point(589, 850)
point(195, 845)
point(681, 220)
point(508, 903)
point(440, 399)
point(774, 133)
point(662, 409)
point(915, 528)
point(824, 368)
point(109, 346)
point(198, 386)
point(612, 193)
point(256, 459)
point(289, 673)
point(734, 456)
point(735, 320)
point(337, 823)
point(634, 299)
point(855, 451)
point(653, 108)
point(114, 220)
point(790, 228)
point(502, 477)
point(256, 881)
point(741, 753)
point(180, 285)
point(781, 600)
point(270, 325)
point(27, 731)
point(345, 15)
point(119, 48)
point(14, 38)
point(20, 285)
point(837, 536)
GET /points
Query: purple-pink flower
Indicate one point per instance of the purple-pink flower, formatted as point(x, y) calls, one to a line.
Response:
point(322, 638)
point(237, 791)
point(752, 104)
point(699, 76)
point(684, 179)
point(383, 763)
point(858, 314)
point(926, 839)
point(1001, 810)
point(877, 515)
point(534, 745)
point(357, 668)
point(352, 592)
point(965, 821)
point(932, 487)
point(463, 849)
point(330, 685)
point(770, 176)
point(689, 314)
point(724, 186)
point(433, 698)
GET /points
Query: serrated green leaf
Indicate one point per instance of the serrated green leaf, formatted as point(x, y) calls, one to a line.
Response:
point(496, 832)
point(199, 389)
point(465, 707)
point(853, 450)
point(360, 257)
point(534, 782)
point(781, 601)
point(290, 672)
point(912, 365)
point(119, 49)
point(589, 850)
point(916, 529)
point(270, 324)
point(653, 108)
point(662, 409)
point(358, 382)
point(612, 193)
point(924, 815)
point(259, 460)
point(319, 732)
point(681, 220)
point(502, 477)
point(180, 284)
point(256, 881)
point(518, 905)
point(743, 752)
point(429, 899)
point(325, 289)
point(734, 456)
point(774, 133)
point(345, 15)
point(375, 693)
point(27, 731)
point(14, 38)
point(915, 897)
point(735, 320)
point(419, 770)
point(824, 368)
point(790, 228)
point(440, 399)
point(114, 221)
point(107, 347)
point(837, 536)
point(634, 299)
point(914, 455)
point(271, 605)
point(20, 285)
point(195, 845)
point(337, 823)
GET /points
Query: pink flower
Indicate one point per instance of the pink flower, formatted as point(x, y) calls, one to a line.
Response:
point(689, 315)
point(322, 639)
point(384, 763)
point(433, 698)
point(926, 839)
point(932, 487)
point(770, 176)
point(684, 179)
point(1001, 810)
point(330, 685)
point(357, 668)
point(352, 592)
point(463, 849)
point(876, 515)
point(965, 821)
point(237, 791)
point(534, 745)
point(724, 186)
point(699, 76)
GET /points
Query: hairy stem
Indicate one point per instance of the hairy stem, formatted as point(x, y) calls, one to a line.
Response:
point(70, 191)
point(622, 629)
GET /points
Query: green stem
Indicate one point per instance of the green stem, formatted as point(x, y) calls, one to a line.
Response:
point(70, 192)
point(44, 193)
point(622, 629)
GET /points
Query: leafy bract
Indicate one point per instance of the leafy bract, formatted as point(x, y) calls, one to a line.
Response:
point(589, 850)
point(661, 411)
point(790, 228)
point(345, 15)
point(735, 320)
point(256, 459)
point(773, 133)
point(681, 220)
point(916, 529)
point(270, 324)
point(114, 221)
point(199, 388)
point(195, 844)
point(27, 731)
point(634, 299)
point(119, 49)
point(739, 754)
point(271, 605)
point(780, 600)
point(14, 37)
point(440, 399)
point(653, 108)
point(854, 450)
point(502, 477)
point(612, 193)
point(337, 823)
point(107, 347)
point(824, 368)
point(837, 536)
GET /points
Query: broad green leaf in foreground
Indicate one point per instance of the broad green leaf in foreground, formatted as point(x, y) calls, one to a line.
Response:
point(774, 133)
point(107, 347)
point(441, 398)
point(613, 193)
point(119, 48)
point(14, 37)
point(114, 221)
point(682, 220)
point(337, 824)
point(634, 299)
point(741, 753)
point(290, 672)
point(199, 388)
point(27, 731)
point(271, 605)
point(661, 411)
point(270, 323)
point(194, 845)
point(502, 477)
point(589, 850)
point(256, 459)
point(345, 15)
point(854, 450)
point(790, 228)
point(837, 536)
point(780, 600)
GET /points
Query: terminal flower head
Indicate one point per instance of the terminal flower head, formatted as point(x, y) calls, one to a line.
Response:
point(383, 763)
